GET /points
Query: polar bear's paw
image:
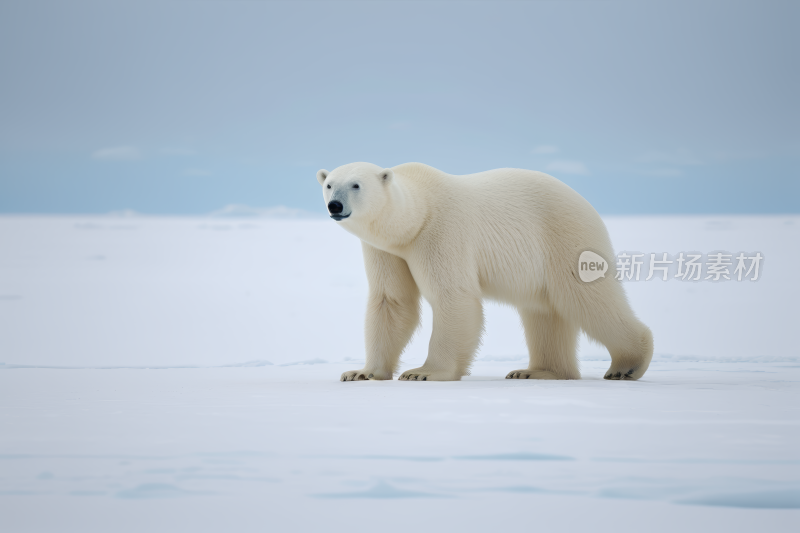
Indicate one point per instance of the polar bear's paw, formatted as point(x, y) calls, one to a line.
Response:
point(622, 373)
point(423, 374)
point(364, 375)
point(531, 374)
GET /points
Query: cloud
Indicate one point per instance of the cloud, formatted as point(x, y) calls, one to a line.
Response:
point(245, 211)
point(196, 172)
point(178, 151)
point(123, 213)
point(567, 167)
point(664, 172)
point(681, 157)
point(118, 153)
point(545, 149)
point(738, 155)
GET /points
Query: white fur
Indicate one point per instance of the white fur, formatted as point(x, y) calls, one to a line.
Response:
point(509, 235)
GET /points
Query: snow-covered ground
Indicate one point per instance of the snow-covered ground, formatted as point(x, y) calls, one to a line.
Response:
point(182, 374)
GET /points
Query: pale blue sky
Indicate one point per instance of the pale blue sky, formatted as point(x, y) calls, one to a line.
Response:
point(181, 107)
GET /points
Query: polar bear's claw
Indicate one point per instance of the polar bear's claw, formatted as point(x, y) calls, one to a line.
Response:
point(620, 376)
point(354, 375)
point(531, 374)
point(365, 375)
point(423, 374)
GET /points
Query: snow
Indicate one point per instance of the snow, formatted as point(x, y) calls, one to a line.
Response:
point(167, 374)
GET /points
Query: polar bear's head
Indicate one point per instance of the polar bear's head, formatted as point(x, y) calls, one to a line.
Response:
point(355, 192)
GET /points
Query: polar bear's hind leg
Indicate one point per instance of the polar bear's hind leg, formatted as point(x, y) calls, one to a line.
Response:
point(607, 318)
point(630, 359)
point(552, 346)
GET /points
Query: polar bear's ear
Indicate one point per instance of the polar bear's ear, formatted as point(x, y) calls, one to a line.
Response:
point(321, 175)
point(386, 175)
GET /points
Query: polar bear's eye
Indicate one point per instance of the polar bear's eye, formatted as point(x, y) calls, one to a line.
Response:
point(329, 186)
point(356, 186)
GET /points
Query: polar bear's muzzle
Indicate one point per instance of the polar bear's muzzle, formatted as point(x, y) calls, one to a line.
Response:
point(335, 209)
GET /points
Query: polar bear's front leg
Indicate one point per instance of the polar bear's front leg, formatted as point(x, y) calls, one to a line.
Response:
point(457, 330)
point(393, 311)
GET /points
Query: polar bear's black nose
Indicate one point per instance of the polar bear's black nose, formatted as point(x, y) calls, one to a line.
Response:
point(335, 207)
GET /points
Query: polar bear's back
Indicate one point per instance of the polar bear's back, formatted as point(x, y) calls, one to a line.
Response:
point(515, 201)
point(530, 197)
point(521, 195)
point(525, 229)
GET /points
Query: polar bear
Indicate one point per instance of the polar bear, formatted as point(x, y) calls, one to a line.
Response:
point(508, 235)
